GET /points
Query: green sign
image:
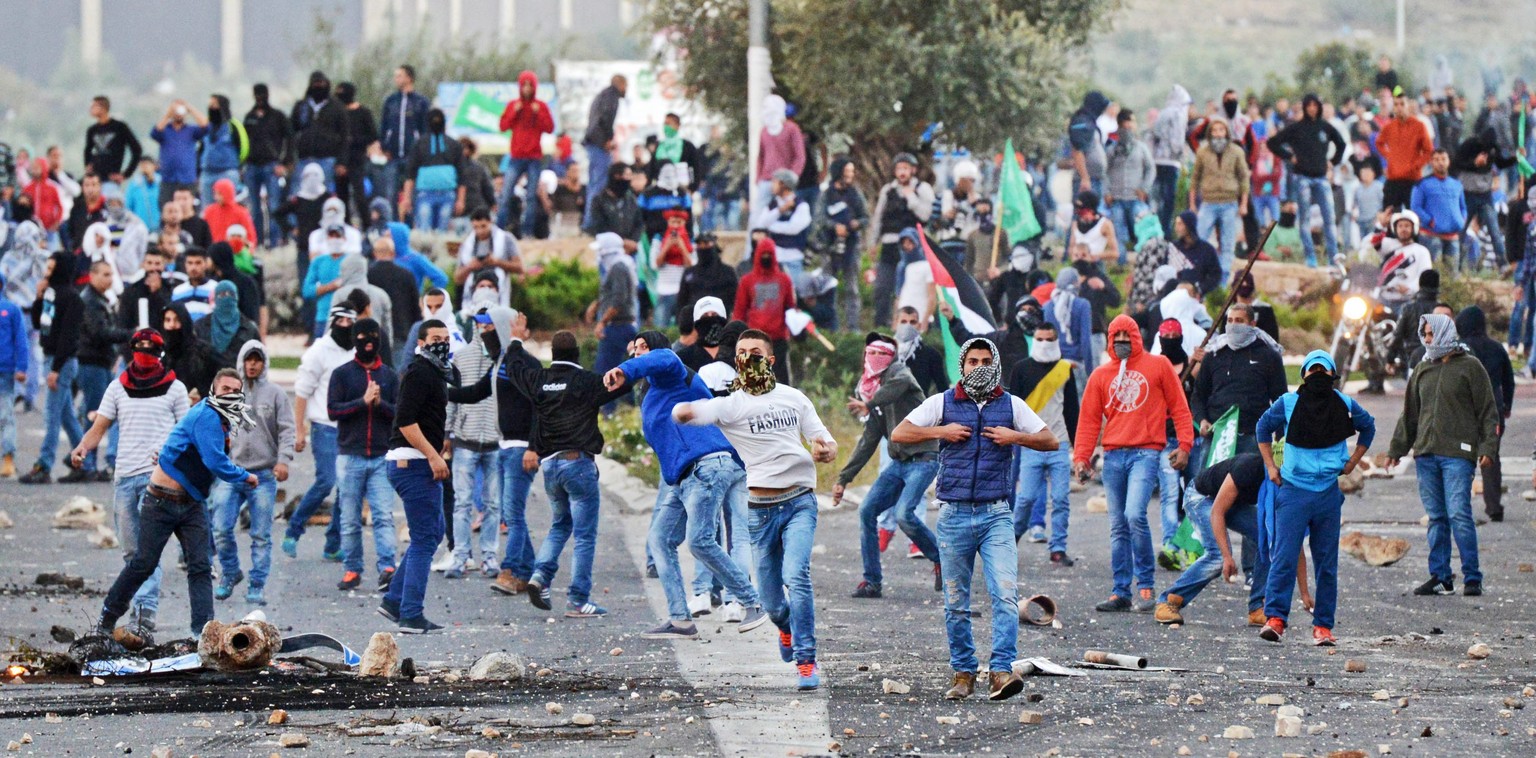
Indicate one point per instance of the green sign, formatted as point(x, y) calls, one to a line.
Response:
point(479, 112)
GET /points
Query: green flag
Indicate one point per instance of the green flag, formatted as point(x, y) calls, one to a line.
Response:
point(479, 112)
point(1524, 166)
point(1223, 438)
point(644, 271)
point(1018, 211)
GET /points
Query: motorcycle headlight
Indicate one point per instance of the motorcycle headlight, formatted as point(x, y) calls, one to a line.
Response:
point(1355, 308)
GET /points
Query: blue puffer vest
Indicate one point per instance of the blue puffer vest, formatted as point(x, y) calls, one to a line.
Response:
point(976, 470)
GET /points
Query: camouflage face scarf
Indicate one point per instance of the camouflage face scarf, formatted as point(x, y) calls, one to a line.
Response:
point(754, 375)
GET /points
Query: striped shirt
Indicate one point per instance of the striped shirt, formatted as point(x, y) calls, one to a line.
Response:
point(197, 297)
point(143, 424)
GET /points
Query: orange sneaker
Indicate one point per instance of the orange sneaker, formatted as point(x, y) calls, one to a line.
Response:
point(349, 581)
point(1323, 637)
point(1273, 630)
point(786, 647)
point(1256, 617)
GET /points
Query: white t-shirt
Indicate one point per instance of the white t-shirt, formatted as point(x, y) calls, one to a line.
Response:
point(931, 413)
point(914, 286)
point(766, 431)
point(143, 424)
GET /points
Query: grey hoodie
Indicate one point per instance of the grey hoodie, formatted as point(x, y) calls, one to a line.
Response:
point(271, 440)
point(1168, 133)
point(1130, 169)
point(354, 276)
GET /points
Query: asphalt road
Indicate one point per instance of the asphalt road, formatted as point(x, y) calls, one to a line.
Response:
point(734, 697)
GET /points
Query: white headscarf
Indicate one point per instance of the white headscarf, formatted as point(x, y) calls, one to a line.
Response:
point(333, 212)
point(311, 181)
point(774, 109)
point(1446, 340)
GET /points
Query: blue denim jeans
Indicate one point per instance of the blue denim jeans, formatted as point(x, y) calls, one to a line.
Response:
point(519, 167)
point(611, 351)
point(1314, 515)
point(1041, 473)
point(423, 500)
point(901, 486)
point(721, 215)
point(1265, 208)
point(782, 537)
point(1242, 519)
point(693, 511)
point(433, 209)
point(598, 161)
point(573, 502)
point(967, 529)
point(515, 483)
point(1224, 215)
point(1480, 206)
point(263, 178)
point(127, 494)
point(93, 381)
point(1123, 213)
point(1317, 192)
point(363, 477)
point(466, 500)
point(227, 499)
point(158, 520)
point(1130, 473)
point(60, 412)
point(8, 414)
point(205, 182)
point(1445, 486)
point(322, 442)
point(1444, 249)
point(1170, 491)
point(389, 183)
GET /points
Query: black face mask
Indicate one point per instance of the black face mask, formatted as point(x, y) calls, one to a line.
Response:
point(436, 124)
point(708, 253)
point(367, 344)
point(710, 329)
point(618, 186)
point(172, 341)
point(1230, 107)
point(342, 336)
point(1318, 381)
point(319, 92)
point(215, 116)
point(1173, 349)
point(1287, 219)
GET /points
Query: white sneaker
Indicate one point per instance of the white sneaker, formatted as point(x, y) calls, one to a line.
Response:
point(699, 605)
point(444, 563)
point(732, 612)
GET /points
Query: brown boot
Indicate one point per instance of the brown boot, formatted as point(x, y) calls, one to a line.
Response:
point(8, 466)
point(1005, 684)
point(1168, 610)
point(964, 685)
point(1256, 617)
point(507, 584)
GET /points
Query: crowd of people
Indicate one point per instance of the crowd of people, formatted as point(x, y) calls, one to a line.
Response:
point(417, 389)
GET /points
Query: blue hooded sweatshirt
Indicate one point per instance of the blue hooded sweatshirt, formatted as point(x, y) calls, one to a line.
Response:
point(197, 452)
point(13, 336)
point(1314, 469)
point(676, 445)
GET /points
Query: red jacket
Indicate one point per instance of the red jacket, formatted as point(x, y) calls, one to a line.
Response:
point(47, 209)
point(226, 212)
point(527, 118)
point(1132, 410)
point(764, 294)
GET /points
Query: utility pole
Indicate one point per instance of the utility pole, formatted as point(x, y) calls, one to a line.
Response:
point(759, 78)
point(1400, 22)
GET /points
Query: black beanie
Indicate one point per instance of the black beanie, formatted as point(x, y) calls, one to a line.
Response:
point(1430, 278)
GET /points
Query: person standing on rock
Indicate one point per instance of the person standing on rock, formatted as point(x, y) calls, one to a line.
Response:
point(145, 403)
point(765, 422)
point(417, 469)
point(977, 425)
point(1307, 499)
point(704, 476)
point(193, 458)
point(1451, 423)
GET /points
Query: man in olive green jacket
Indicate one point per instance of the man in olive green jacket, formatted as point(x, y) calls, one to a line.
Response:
point(1450, 421)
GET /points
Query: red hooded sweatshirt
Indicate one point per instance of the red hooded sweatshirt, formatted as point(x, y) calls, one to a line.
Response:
point(765, 293)
point(47, 209)
point(527, 118)
point(1132, 408)
point(225, 212)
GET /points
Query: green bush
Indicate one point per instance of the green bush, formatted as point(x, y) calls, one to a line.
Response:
point(558, 296)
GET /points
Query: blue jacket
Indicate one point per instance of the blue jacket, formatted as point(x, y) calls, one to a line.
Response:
point(178, 152)
point(14, 347)
point(1082, 332)
point(1441, 205)
point(197, 452)
point(676, 445)
point(395, 140)
point(221, 149)
point(1313, 469)
point(977, 470)
point(322, 270)
point(362, 429)
point(143, 199)
point(419, 265)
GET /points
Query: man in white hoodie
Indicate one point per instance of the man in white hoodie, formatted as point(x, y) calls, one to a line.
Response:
point(311, 389)
point(1168, 145)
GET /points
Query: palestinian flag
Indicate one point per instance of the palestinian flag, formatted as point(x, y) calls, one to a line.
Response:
point(957, 287)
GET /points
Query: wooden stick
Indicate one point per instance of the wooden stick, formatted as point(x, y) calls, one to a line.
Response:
point(1221, 318)
point(997, 228)
point(826, 343)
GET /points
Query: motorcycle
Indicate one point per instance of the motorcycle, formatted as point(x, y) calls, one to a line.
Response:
point(1362, 335)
